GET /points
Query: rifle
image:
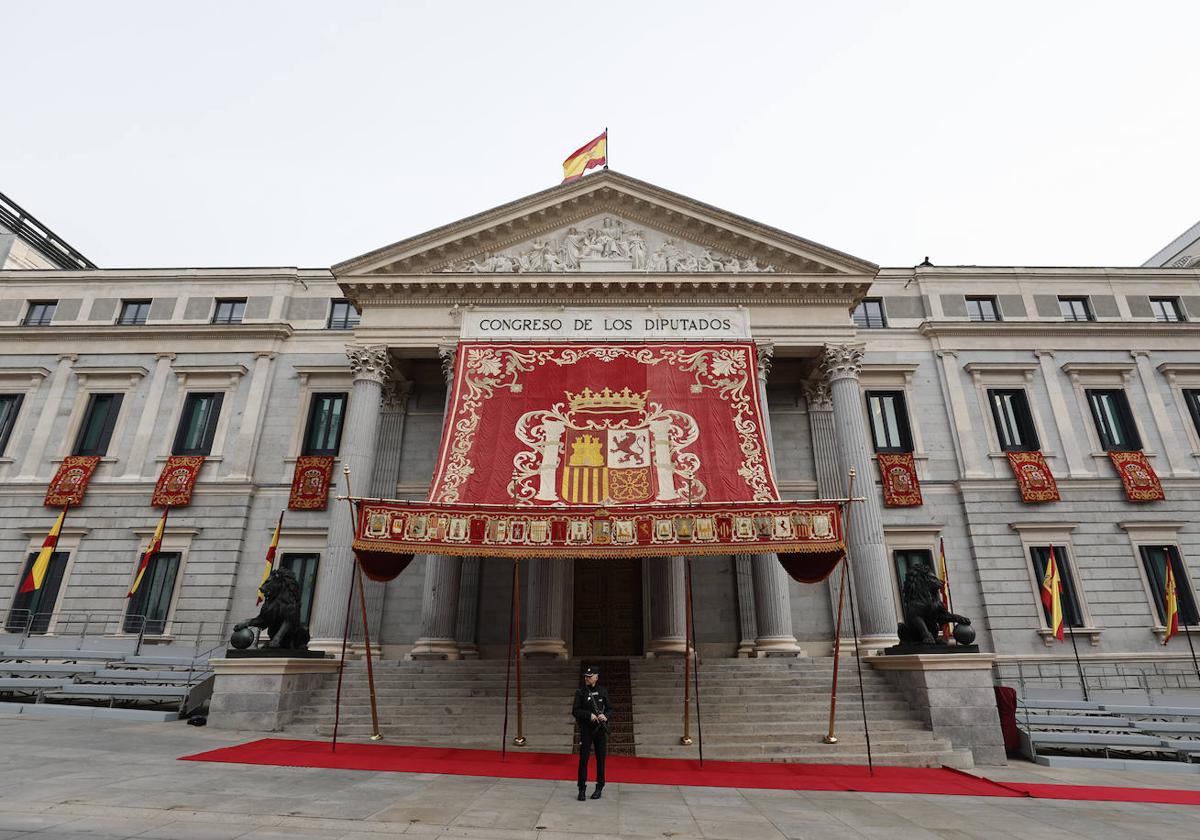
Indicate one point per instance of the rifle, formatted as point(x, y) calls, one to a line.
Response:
point(596, 711)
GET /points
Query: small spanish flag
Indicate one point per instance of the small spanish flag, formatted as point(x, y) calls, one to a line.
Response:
point(37, 572)
point(1052, 595)
point(592, 154)
point(270, 561)
point(149, 554)
point(1172, 600)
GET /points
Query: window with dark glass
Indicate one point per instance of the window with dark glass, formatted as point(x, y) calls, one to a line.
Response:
point(229, 311)
point(197, 424)
point(134, 313)
point(889, 421)
point(982, 309)
point(343, 315)
point(33, 610)
point(40, 313)
point(908, 559)
point(323, 434)
point(148, 608)
point(1074, 309)
point(1166, 309)
point(1155, 558)
point(1191, 396)
point(304, 566)
point(1040, 554)
point(10, 406)
point(1114, 420)
point(1014, 421)
point(99, 419)
point(868, 315)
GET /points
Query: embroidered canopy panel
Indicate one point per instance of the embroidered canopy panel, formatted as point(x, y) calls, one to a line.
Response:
point(572, 449)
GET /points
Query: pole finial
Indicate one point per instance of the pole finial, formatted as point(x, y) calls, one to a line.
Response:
point(853, 472)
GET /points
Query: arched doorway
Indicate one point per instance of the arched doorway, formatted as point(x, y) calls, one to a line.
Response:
point(608, 607)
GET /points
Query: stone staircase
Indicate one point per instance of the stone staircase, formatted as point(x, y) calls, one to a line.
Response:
point(778, 710)
point(754, 710)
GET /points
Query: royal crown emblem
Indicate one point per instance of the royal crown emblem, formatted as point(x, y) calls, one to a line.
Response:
point(607, 401)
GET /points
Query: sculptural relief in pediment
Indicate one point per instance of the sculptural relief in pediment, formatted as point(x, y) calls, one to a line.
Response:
point(607, 243)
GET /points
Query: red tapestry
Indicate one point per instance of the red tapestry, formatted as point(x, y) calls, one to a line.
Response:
point(1034, 478)
point(1140, 480)
point(175, 482)
point(544, 425)
point(811, 529)
point(310, 482)
point(900, 485)
point(71, 481)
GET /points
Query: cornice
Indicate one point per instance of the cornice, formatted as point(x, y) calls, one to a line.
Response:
point(202, 332)
point(1043, 329)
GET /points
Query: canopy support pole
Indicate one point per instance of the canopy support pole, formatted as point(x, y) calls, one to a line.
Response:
point(862, 697)
point(518, 741)
point(337, 702)
point(686, 738)
point(512, 611)
point(830, 738)
point(362, 602)
point(691, 623)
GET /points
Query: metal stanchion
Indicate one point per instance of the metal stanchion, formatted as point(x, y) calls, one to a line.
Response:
point(830, 738)
point(518, 741)
point(686, 738)
point(362, 602)
point(862, 697)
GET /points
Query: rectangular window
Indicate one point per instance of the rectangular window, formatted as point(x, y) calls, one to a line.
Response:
point(343, 315)
point(1155, 558)
point(304, 566)
point(1075, 309)
point(10, 407)
point(134, 313)
point(1040, 554)
point(148, 608)
point(907, 559)
point(982, 309)
point(1191, 396)
point(33, 610)
point(229, 311)
point(889, 421)
point(98, 422)
point(198, 424)
point(1014, 422)
point(868, 315)
point(1114, 421)
point(323, 435)
point(1167, 309)
point(40, 313)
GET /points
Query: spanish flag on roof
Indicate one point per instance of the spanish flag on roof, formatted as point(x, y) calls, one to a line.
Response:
point(592, 154)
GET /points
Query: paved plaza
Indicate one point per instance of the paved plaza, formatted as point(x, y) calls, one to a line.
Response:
point(76, 779)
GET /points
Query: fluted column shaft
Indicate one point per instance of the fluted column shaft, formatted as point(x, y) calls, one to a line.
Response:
point(467, 632)
point(371, 366)
point(868, 556)
point(831, 483)
point(544, 625)
point(668, 606)
point(747, 621)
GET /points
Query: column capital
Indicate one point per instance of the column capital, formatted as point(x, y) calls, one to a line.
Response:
point(396, 391)
point(447, 353)
point(818, 395)
point(766, 356)
point(369, 363)
point(841, 361)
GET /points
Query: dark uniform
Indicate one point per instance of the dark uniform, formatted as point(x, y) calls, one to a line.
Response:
point(592, 735)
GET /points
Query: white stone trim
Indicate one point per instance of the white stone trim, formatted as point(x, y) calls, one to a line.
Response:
point(69, 539)
point(1084, 375)
point(101, 380)
point(1156, 533)
point(962, 431)
point(1180, 376)
point(205, 379)
point(174, 539)
point(274, 666)
point(42, 431)
point(910, 538)
point(317, 379)
point(1058, 534)
point(893, 377)
point(1011, 375)
point(24, 381)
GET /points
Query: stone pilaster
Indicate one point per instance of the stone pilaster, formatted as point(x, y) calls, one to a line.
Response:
point(544, 622)
point(371, 367)
point(467, 632)
point(668, 606)
point(747, 621)
point(841, 364)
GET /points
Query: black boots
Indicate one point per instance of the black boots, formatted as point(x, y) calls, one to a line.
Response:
point(596, 792)
point(582, 794)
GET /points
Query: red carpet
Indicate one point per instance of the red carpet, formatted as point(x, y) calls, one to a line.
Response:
point(667, 771)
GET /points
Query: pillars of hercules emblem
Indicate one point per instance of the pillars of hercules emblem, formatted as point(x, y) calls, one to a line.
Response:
point(371, 367)
point(668, 606)
point(443, 576)
point(772, 600)
point(873, 580)
point(545, 593)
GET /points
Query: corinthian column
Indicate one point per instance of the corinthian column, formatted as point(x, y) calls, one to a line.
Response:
point(546, 590)
point(668, 605)
point(872, 578)
point(371, 366)
point(443, 576)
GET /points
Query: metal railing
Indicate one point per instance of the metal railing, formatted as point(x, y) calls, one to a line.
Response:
point(1145, 678)
point(82, 624)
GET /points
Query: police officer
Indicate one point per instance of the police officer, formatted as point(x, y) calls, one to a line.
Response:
point(593, 710)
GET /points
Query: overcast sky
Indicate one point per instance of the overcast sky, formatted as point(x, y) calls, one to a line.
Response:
point(304, 133)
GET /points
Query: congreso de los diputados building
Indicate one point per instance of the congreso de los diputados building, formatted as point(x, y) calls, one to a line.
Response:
point(610, 343)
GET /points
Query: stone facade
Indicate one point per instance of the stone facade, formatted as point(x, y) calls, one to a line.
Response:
point(413, 296)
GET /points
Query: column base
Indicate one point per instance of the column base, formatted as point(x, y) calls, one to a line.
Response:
point(872, 645)
point(333, 647)
point(784, 646)
point(666, 648)
point(544, 649)
point(433, 649)
point(468, 651)
point(745, 649)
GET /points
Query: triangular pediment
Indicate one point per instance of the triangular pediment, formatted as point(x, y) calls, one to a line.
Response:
point(606, 222)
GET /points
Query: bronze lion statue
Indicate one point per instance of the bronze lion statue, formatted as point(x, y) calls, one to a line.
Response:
point(280, 613)
point(924, 613)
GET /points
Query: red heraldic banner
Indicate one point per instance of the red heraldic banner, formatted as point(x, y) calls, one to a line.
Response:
point(900, 485)
point(1034, 478)
point(310, 482)
point(1140, 480)
point(71, 481)
point(175, 482)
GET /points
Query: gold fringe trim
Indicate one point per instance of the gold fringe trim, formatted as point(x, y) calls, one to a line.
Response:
point(565, 551)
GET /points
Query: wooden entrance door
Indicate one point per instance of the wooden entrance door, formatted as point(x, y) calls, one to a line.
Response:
point(608, 607)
